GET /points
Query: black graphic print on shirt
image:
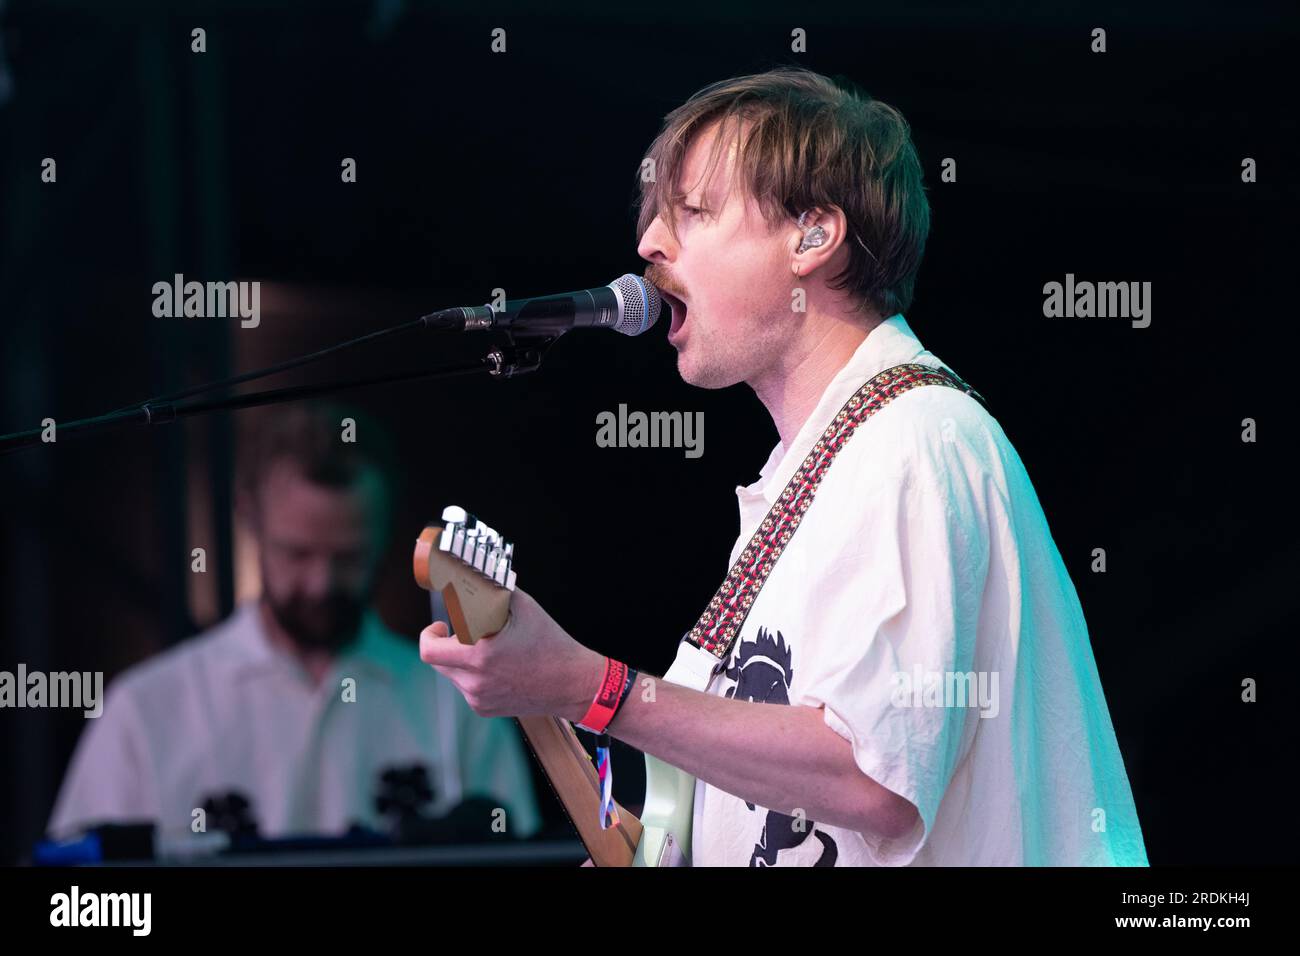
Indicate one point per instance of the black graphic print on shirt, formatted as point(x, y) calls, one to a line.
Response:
point(762, 670)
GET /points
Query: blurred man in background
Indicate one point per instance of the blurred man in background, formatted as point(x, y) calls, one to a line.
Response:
point(296, 706)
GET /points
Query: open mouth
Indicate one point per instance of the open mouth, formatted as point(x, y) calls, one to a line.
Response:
point(678, 307)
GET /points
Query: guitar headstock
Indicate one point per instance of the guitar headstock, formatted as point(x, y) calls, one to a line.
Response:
point(473, 566)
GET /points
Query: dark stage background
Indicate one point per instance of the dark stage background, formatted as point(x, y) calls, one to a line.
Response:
point(477, 171)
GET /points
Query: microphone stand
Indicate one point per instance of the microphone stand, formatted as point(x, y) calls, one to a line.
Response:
point(506, 359)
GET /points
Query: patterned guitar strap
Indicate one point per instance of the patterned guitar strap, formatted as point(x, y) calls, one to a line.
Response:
point(722, 620)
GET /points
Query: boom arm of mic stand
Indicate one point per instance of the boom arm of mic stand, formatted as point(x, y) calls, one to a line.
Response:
point(508, 359)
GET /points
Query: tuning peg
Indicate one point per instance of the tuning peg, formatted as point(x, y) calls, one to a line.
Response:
point(503, 573)
point(477, 544)
point(479, 557)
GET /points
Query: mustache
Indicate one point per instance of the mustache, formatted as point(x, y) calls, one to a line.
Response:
point(663, 280)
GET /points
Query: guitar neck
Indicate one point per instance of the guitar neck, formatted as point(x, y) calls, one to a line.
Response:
point(574, 779)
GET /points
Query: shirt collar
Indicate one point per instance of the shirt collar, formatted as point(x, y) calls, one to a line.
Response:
point(890, 343)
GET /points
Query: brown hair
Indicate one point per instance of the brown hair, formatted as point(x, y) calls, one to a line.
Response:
point(309, 436)
point(812, 142)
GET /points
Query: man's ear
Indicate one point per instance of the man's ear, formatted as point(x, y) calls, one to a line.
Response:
point(827, 230)
point(246, 506)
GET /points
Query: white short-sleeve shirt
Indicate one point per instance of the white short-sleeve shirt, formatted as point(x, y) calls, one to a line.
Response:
point(226, 711)
point(924, 605)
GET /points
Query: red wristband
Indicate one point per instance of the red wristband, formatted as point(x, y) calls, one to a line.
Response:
point(605, 706)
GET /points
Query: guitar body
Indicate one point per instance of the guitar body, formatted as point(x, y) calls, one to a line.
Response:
point(470, 565)
point(667, 816)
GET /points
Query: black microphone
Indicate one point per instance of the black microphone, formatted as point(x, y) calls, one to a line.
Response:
point(629, 305)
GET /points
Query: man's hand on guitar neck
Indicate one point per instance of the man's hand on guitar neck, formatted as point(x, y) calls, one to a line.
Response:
point(784, 758)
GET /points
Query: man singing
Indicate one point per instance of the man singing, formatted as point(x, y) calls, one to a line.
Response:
point(785, 224)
